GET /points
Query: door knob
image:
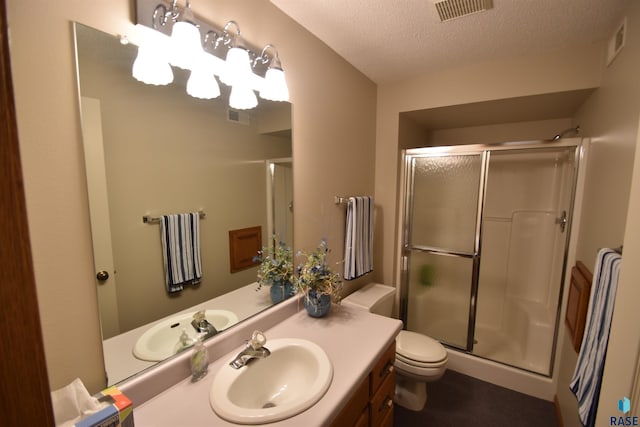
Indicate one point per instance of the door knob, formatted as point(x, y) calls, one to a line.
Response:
point(102, 276)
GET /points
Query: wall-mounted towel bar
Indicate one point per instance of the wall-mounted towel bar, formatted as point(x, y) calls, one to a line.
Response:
point(618, 249)
point(148, 219)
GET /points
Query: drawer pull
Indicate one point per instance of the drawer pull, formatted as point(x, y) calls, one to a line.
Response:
point(388, 402)
point(388, 368)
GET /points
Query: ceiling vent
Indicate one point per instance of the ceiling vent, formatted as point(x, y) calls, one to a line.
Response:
point(451, 9)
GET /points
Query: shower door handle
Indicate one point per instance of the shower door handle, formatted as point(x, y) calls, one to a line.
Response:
point(562, 221)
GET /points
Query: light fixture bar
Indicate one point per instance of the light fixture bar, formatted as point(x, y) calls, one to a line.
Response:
point(145, 16)
point(207, 52)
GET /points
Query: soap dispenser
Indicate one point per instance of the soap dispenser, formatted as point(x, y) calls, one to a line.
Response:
point(199, 359)
point(184, 342)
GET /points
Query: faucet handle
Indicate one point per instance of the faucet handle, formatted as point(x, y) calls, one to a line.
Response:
point(199, 316)
point(257, 340)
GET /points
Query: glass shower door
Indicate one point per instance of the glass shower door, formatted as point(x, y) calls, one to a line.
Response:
point(442, 244)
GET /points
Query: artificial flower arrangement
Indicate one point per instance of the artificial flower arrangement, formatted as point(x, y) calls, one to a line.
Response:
point(318, 283)
point(276, 270)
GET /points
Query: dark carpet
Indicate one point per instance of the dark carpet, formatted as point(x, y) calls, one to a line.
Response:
point(459, 400)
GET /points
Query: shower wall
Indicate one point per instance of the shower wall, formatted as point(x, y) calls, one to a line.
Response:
point(522, 247)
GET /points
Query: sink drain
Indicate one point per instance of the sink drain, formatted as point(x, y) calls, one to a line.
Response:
point(268, 405)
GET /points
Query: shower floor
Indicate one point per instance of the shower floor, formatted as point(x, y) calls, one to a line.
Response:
point(489, 343)
point(493, 344)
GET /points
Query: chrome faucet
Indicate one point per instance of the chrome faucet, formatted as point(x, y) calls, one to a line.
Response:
point(253, 350)
point(202, 325)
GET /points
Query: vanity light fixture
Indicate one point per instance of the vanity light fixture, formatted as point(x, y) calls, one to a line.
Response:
point(186, 45)
point(151, 66)
point(237, 70)
point(274, 87)
point(237, 64)
point(174, 35)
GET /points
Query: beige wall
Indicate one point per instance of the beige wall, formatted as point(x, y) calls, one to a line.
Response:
point(610, 118)
point(506, 132)
point(624, 340)
point(334, 137)
point(558, 71)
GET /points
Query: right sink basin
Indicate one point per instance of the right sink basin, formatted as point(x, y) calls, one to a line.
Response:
point(292, 379)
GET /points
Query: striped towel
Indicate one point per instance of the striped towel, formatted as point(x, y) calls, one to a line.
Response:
point(180, 236)
point(587, 377)
point(358, 245)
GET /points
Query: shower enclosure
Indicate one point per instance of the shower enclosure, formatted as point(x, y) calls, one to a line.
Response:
point(484, 247)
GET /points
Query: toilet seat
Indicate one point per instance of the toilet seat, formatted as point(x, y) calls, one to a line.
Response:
point(420, 350)
point(419, 364)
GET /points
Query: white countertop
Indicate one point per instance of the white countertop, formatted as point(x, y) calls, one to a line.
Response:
point(352, 338)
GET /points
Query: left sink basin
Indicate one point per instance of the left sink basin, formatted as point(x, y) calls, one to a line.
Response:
point(159, 341)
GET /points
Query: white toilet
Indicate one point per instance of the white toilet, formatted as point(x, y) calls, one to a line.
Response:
point(419, 358)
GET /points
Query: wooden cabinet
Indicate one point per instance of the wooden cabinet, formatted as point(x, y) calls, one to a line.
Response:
point(371, 405)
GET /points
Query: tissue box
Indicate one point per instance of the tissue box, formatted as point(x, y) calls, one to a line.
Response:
point(119, 413)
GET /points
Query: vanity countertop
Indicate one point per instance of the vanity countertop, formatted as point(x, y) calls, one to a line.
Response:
point(352, 338)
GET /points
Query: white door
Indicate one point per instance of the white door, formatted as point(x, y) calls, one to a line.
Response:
point(100, 223)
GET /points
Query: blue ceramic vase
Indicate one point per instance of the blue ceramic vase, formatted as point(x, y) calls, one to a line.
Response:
point(281, 291)
point(317, 305)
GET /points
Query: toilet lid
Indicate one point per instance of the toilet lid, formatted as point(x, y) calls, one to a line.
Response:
point(418, 347)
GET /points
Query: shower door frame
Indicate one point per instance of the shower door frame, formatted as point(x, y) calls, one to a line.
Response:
point(474, 255)
point(406, 208)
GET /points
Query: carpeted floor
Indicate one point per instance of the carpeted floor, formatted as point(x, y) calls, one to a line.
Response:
point(459, 400)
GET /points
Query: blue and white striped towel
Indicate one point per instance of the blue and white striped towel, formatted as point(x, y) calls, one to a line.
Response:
point(587, 377)
point(180, 236)
point(358, 242)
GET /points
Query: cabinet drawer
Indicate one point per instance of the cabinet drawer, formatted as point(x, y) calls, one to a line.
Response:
point(383, 368)
point(382, 401)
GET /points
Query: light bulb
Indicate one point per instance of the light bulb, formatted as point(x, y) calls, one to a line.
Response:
point(202, 84)
point(186, 45)
point(274, 87)
point(237, 68)
point(151, 65)
point(242, 97)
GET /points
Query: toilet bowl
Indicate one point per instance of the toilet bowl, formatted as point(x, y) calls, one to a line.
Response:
point(419, 359)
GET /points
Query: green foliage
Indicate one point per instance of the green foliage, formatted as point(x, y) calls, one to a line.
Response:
point(316, 275)
point(276, 264)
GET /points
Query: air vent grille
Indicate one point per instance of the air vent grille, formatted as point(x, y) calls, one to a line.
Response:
point(240, 117)
point(451, 9)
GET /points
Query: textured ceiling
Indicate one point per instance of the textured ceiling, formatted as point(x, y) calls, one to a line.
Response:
point(392, 40)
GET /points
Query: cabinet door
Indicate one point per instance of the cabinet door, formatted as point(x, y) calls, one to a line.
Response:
point(358, 403)
point(382, 402)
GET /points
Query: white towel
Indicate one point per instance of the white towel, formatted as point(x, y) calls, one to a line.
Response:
point(358, 242)
point(587, 377)
point(180, 236)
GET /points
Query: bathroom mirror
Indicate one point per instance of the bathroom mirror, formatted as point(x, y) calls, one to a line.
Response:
point(154, 150)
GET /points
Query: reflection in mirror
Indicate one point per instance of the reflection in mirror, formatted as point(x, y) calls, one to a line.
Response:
point(156, 151)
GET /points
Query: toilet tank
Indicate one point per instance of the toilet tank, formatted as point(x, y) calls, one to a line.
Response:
point(373, 297)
